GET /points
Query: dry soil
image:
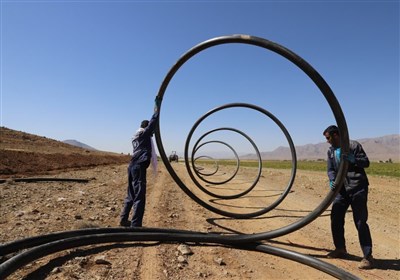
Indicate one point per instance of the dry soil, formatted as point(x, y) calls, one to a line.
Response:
point(38, 208)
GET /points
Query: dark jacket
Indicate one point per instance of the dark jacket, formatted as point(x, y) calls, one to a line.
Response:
point(141, 142)
point(356, 178)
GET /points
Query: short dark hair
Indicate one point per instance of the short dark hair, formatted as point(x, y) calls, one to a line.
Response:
point(331, 130)
point(144, 124)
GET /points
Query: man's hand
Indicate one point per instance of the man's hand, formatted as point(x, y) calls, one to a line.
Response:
point(157, 103)
point(350, 158)
point(331, 185)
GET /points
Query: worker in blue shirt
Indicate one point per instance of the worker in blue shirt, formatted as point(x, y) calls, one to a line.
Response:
point(354, 193)
point(143, 154)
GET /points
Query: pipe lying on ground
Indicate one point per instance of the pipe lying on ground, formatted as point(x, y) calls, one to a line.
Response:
point(45, 179)
point(111, 235)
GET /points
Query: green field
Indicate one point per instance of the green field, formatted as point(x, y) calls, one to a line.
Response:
point(375, 168)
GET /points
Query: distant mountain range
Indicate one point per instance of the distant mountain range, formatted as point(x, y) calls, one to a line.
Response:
point(79, 144)
point(378, 149)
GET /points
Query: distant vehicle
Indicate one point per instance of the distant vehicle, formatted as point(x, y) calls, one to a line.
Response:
point(173, 157)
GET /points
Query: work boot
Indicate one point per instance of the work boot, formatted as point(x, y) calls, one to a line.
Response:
point(366, 263)
point(338, 253)
point(125, 223)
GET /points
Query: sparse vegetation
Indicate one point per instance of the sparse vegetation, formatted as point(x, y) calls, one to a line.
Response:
point(391, 169)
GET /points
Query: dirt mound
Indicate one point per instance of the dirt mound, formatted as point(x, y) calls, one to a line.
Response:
point(24, 154)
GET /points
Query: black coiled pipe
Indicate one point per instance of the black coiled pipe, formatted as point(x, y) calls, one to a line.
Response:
point(61, 241)
point(201, 174)
point(313, 75)
point(46, 245)
point(237, 164)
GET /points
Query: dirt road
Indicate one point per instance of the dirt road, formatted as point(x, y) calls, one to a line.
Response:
point(30, 209)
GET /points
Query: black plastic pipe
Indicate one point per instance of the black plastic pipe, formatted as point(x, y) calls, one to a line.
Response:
point(45, 179)
point(211, 208)
point(201, 174)
point(110, 235)
point(312, 74)
point(197, 168)
point(242, 241)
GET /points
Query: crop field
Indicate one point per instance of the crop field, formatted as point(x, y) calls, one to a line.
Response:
point(391, 169)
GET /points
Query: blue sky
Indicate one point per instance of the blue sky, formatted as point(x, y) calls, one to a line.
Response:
point(89, 70)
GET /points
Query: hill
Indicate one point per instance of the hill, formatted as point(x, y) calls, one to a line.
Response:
point(79, 144)
point(24, 154)
point(378, 149)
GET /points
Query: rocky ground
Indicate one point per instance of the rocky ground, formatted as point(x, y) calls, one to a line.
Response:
point(38, 208)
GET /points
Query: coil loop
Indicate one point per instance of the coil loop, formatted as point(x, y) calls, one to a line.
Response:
point(43, 245)
point(192, 161)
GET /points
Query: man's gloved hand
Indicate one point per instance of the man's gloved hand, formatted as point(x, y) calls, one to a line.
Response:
point(157, 102)
point(350, 158)
point(331, 185)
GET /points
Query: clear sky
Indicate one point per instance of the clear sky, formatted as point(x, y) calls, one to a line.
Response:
point(89, 70)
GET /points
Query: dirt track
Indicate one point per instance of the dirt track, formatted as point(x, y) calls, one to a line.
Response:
point(30, 209)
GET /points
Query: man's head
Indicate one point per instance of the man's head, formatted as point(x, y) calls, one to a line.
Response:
point(144, 124)
point(332, 136)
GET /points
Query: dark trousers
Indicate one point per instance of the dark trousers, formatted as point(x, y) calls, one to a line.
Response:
point(136, 193)
point(358, 203)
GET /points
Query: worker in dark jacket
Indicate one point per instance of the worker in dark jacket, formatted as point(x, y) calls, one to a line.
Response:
point(354, 193)
point(143, 154)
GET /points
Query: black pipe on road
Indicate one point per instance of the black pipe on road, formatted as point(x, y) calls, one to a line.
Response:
point(111, 235)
